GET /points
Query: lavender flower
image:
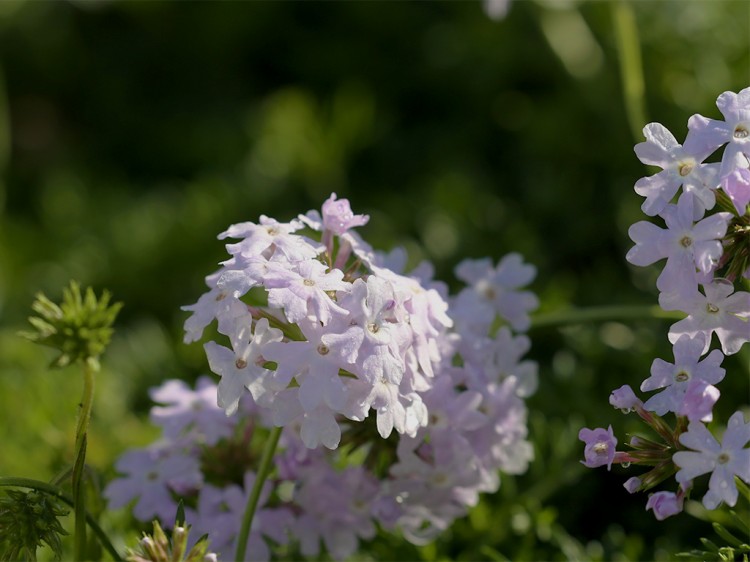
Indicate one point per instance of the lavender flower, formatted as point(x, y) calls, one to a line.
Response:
point(706, 135)
point(190, 412)
point(681, 166)
point(152, 476)
point(723, 461)
point(698, 402)
point(600, 446)
point(686, 245)
point(494, 291)
point(720, 310)
point(336, 330)
point(676, 378)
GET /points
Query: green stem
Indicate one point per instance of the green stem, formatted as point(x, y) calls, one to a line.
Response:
point(252, 502)
point(79, 490)
point(631, 68)
point(5, 140)
point(40, 486)
point(601, 314)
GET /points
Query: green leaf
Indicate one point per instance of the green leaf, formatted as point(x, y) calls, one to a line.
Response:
point(726, 535)
point(743, 488)
point(742, 523)
point(179, 519)
point(709, 545)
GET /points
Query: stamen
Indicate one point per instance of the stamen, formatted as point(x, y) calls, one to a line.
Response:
point(684, 169)
point(601, 448)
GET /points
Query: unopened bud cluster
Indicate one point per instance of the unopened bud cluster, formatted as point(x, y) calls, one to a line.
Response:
point(157, 547)
point(80, 327)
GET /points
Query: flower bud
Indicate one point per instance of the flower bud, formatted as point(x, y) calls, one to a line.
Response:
point(624, 398)
point(664, 504)
point(632, 485)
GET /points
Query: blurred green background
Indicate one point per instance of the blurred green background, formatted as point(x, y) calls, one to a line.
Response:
point(132, 133)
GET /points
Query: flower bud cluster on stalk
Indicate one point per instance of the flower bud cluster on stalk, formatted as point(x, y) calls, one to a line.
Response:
point(319, 331)
point(706, 245)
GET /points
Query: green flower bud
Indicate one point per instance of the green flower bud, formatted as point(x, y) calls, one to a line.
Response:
point(79, 328)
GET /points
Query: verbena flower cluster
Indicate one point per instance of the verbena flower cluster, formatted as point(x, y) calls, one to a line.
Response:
point(705, 242)
point(317, 330)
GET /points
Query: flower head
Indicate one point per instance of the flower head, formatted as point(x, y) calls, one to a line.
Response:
point(79, 328)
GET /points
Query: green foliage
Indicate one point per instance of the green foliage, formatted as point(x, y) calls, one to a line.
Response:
point(734, 550)
point(27, 521)
point(80, 328)
point(732, 547)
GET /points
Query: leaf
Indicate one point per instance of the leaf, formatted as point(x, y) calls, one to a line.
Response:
point(727, 536)
point(709, 545)
point(179, 519)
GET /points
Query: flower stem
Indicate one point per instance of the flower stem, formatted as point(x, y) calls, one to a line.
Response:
point(79, 490)
point(631, 68)
point(252, 502)
point(601, 314)
point(52, 490)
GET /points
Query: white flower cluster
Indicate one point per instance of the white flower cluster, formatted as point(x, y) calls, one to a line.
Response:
point(318, 333)
point(321, 331)
point(335, 332)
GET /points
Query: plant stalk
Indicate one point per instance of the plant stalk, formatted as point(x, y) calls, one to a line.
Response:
point(79, 490)
point(602, 314)
point(252, 502)
point(631, 67)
